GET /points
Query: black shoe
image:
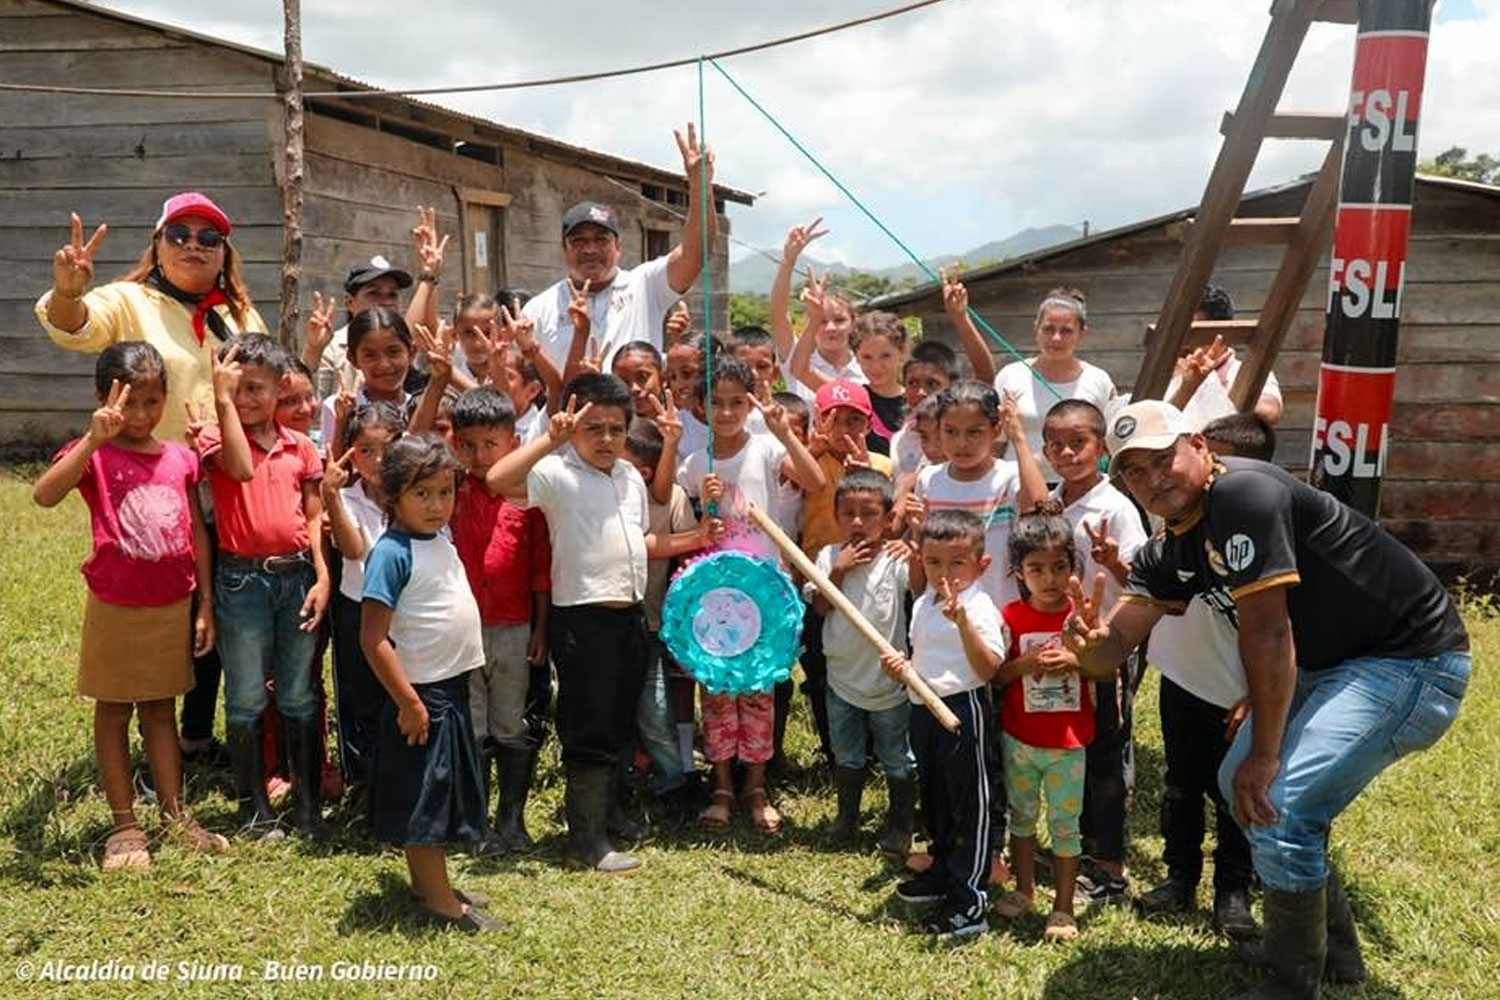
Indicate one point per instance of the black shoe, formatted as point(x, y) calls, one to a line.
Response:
point(1097, 886)
point(586, 798)
point(1232, 916)
point(1175, 895)
point(514, 768)
point(953, 922)
point(928, 887)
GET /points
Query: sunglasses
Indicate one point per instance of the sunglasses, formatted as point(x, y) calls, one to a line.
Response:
point(208, 239)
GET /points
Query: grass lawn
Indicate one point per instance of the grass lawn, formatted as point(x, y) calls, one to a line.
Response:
point(731, 916)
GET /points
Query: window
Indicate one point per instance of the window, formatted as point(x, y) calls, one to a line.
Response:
point(657, 243)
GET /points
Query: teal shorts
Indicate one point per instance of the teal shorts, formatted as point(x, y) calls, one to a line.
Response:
point(1032, 772)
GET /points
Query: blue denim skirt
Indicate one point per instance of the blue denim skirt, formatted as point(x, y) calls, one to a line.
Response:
point(426, 796)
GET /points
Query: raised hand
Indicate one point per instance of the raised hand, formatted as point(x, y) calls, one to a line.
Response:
point(856, 453)
point(320, 323)
point(911, 512)
point(693, 155)
point(197, 420)
point(564, 422)
point(1085, 629)
point(1011, 423)
point(424, 240)
point(668, 421)
point(520, 328)
point(955, 295)
point(578, 306)
point(1200, 362)
point(899, 548)
point(860, 553)
point(953, 608)
point(226, 374)
point(336, 475)
point(814, 294)
point(1104, 549)
point(73, 264)
point(713, 488)
point(109, 420)
point(798, 237)
point(775, 416)
point(678, 322)
point(438, 348)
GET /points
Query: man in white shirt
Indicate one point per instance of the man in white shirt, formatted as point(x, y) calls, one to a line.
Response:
point(623, 304)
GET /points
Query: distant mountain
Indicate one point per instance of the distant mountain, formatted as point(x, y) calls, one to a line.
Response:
point(754, 273)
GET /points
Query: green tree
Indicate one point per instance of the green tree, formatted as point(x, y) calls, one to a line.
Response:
point(1455, 162)
point(747, 309)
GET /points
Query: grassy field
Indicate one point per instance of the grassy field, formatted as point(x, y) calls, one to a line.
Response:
point(732, 916)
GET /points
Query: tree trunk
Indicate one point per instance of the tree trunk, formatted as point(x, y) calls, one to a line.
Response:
point(291, 188)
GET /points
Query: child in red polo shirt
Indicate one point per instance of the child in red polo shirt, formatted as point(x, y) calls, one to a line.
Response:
point(508, 558)
point(270, 583)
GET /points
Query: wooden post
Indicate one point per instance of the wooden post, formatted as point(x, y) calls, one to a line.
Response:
point(836, 597)
point(291, 188)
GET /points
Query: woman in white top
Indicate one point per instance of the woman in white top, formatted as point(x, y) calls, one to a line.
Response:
point(1057, 373)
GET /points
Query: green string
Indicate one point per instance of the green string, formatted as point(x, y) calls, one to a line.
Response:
point(705, 198)
point(932, 275)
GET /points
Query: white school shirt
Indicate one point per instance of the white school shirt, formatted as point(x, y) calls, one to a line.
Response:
point(695, 435)
point(878, 590)
point(330, 417)
point(1199, 651)
point(749, 476)
point(370, 520)
point(531, 425)
point(1211, 400)
point(1035, 398)
point(937, 650)
point(1085, 513)
point(597, 521)
point(906, 449)
point(434, 617)
point(632, 307)
point(992, 498)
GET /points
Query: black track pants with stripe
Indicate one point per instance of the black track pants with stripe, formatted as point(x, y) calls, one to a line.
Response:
point(955, 793)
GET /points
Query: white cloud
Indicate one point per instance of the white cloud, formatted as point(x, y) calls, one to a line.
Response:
point(959, 123)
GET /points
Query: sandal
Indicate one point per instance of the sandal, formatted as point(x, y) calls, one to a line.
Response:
point(473, 921)
point(475, 898)
point(765, 816)
point(186, 831)
point(126, 847)
point(715, 815)
point(1012, 904)
point(1060, 927)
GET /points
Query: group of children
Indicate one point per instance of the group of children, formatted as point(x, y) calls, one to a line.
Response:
point(465, 545)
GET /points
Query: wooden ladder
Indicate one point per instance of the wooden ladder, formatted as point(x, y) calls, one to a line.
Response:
point(1306, 236)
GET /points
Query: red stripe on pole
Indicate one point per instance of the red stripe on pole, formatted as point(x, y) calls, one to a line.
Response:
point(1374, 235)
point(1394, 65)
point(1350, 434)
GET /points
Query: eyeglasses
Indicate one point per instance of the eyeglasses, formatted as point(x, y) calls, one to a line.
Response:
point(208, 239)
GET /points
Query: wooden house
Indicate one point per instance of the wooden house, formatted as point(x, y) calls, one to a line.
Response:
point(500, 191)
point(1441, 491)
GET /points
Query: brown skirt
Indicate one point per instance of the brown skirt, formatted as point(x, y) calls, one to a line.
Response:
point(136, 654)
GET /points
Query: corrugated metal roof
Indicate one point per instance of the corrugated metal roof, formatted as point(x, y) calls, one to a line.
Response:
point(909, 295)
point(540, 142)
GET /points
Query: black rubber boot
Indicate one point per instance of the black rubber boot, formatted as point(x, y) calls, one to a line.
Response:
point(1232, 915)
point(1295, 946)
point(306, 766)
point(587, 802)
point(513, 770)
point(622, 825)
point(256, 817)
point(849, 786)
point(1175, 895)
point(1345, 963)
point(895, 839)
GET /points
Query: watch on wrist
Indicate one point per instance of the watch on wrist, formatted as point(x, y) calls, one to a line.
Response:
point(428, 277)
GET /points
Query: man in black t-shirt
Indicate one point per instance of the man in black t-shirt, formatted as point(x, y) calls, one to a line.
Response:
point(1354, 656)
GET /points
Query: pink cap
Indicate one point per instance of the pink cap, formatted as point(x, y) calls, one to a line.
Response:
point(193, 203)
point(844, 392)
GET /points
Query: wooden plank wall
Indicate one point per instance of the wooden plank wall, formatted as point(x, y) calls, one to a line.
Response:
point(1442, 485)
point(112, 160)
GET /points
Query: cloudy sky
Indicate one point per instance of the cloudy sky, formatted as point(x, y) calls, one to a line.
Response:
point(956, 124)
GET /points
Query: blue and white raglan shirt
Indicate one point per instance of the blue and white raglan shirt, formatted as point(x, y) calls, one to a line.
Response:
point(435, 620)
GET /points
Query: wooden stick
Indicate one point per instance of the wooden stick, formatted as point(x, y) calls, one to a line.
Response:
point(836, 597)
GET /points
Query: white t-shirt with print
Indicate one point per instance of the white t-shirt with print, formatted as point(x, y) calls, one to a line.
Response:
point(878, 590)
point(1104, 501)
point(1035, 397)
point(632, 307)
point(749, 476)
point(824, 367)
point(991, 498)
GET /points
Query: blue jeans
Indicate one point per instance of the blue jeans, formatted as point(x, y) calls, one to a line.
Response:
point(654, 722)
point(259, 618)
point(851, 727)
point(1346, 724)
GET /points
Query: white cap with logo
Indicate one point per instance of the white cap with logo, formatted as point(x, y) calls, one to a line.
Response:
point(1145, 425)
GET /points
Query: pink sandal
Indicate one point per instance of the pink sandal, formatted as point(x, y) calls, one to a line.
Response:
point(715, 815)
point(765, 816)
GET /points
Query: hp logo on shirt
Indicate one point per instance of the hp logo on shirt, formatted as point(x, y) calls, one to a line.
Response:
point(1239, 551)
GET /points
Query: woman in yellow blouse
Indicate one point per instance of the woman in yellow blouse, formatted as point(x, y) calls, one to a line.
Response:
point(185, 296)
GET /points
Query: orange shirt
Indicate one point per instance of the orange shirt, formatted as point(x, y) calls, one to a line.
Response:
point(819, 526)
